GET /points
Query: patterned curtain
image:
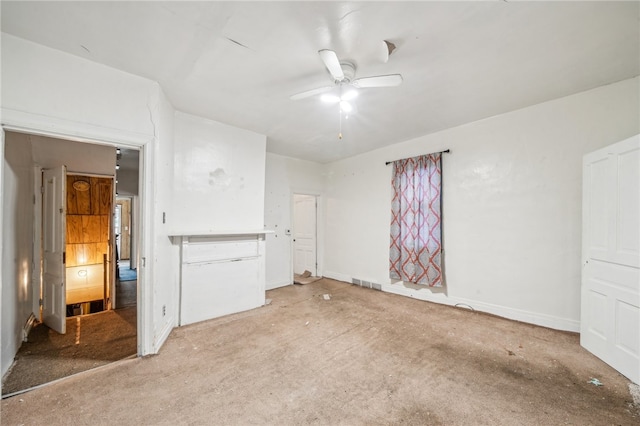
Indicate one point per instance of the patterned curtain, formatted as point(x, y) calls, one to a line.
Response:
point(415, 253)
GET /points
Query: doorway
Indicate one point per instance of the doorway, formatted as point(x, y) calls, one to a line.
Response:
point(122, 224)
point(90, 339)
point(305, 236)
point(126, 265)
point(89, 250)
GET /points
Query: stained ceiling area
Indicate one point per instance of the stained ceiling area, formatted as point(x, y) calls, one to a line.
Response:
point(239, 63)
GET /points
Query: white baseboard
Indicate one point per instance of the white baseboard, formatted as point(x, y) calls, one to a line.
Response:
point(337, 276)
point(164, 334)
point(536, 318)
point(529, 317)
point(278, 284)
point(28, 326)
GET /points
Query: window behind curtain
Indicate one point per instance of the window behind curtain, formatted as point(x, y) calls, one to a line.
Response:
point(415, 252)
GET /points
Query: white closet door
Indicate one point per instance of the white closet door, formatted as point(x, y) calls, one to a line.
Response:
point(304, 234)
point(610, 317)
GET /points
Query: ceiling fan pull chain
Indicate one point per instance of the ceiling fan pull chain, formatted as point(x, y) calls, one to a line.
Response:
point(340, 132)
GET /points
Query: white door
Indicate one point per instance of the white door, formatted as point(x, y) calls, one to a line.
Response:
point(610, 317)
point(304, 234)
point(54, 309)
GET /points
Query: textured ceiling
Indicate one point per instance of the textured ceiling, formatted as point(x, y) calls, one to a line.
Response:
point(239, 62)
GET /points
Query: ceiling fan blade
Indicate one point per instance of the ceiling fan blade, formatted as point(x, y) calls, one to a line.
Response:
point(311, 92)
point(390, 80)
point(332, 63)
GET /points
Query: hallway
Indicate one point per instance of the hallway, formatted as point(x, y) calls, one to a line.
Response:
point(91, 341)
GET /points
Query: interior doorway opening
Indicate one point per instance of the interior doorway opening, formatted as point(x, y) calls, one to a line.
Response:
point(123, 223)
point(89, 269)
point(305, 238)
point(93, 331)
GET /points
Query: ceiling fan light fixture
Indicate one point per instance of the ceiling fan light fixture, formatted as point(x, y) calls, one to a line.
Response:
point(330, 99)
point(349, 95)
point(81, 185)
point(345, 106)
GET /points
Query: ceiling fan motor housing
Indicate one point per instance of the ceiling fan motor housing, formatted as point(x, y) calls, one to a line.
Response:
point(349, 71)
point(343, 74)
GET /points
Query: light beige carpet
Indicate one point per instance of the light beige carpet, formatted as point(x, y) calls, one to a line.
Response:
point(360, 357)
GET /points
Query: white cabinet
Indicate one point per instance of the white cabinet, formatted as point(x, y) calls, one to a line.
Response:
point(221, 274)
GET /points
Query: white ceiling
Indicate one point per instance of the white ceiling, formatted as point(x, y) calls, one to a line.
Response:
point(238, 62)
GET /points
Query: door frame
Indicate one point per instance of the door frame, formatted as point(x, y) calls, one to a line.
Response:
point(128, 198)
point(37, 283)
point(42, 126)
point(319, 230)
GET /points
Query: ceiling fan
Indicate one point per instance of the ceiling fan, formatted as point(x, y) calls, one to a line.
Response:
point(343, 74)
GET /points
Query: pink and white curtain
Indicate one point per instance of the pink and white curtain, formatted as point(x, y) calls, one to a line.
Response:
point(415, 253)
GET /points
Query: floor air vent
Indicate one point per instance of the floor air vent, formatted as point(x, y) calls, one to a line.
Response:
point(366, 284)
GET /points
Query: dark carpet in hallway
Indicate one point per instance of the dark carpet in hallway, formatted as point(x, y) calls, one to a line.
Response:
point(91, 341)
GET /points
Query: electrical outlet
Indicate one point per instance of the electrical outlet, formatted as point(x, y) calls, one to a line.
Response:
point(164, 310)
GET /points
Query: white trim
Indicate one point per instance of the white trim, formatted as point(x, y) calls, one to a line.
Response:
point(337, 276)
point(164, 333)
point(36, 124)
point(501, 311)
point(425, 294)
point(28, 326)
point(36, 277)
point(277, 284)
point(221, 233)
point(133, 231)
point(145, 253)
point(2, 135)
point(96, 175)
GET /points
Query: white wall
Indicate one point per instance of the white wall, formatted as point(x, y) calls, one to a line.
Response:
point(283, 177)
point(80, 158)
point(17, 253)
point(72, 95)
point(52, 93)
point(219, 177)
point(167, 255)
point(49, 92)
point(511, 206)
